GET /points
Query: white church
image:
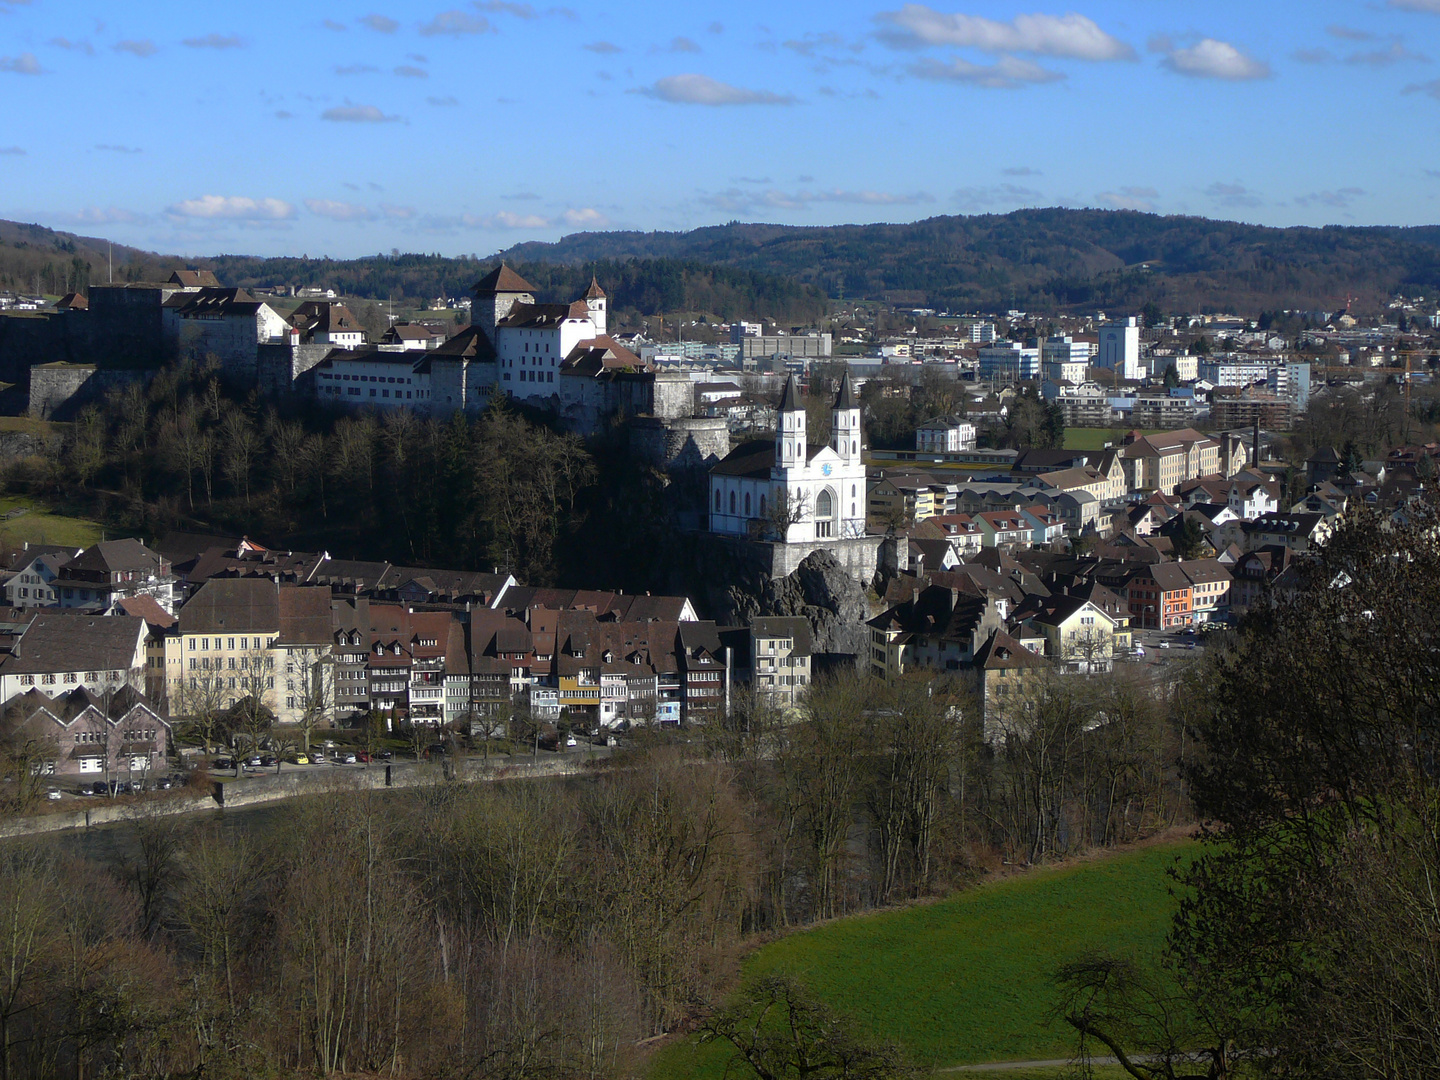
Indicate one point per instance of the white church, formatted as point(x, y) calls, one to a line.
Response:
point(791, 490)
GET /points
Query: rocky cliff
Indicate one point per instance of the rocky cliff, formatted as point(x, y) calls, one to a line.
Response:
point(822, 592)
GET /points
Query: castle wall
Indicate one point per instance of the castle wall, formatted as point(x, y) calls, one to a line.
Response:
point(283, 370)
point(59, 390)
point(686, 444)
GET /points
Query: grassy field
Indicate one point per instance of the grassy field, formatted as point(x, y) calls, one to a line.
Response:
point(1096, 438)
point(39, 526)
point(968, 980)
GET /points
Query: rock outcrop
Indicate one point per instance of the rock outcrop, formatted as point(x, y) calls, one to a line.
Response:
point(823, 593)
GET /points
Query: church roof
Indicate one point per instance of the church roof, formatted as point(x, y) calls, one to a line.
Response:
point(502, 280)
point(845, 399)
point(790, 400)
point(756, 458)
point(594, 292)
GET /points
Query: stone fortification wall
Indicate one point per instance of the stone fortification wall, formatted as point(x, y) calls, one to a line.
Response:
point(284, 370)
point(684, 445)
point(121, 329)
point(58, 391)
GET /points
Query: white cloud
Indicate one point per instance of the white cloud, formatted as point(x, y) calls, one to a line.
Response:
point(142, 48)
point(215, 41)
point(110, 215)
point(1338, 200)
point(604, 48)
point(410, 71)
point(1007, 73)
point(232, 208)
point(382, 24)
point(358, 114)
point(1129, 198)
point(402, 213)
point(24, 64)
point(1432, 88)
point(504, 7)
point(456, 24)
point(981, 198)
point(1395, 54)
point(1432, 6)
point(703, 90)
point(504, 219)
point(736, 200)
point(77, 46)
point(339, 211)
point(584, 216)
point(1236, 194)
point(1212, 59)
point(916, 26)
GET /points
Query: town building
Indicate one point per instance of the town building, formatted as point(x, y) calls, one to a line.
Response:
point(64, 650)
point(1120, 348)
point(780, 659)
point(102, 575)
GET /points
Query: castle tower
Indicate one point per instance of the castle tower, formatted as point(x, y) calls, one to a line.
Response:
point(845, 422)
point(790, 431)
point(495, 294)
point(595, 301)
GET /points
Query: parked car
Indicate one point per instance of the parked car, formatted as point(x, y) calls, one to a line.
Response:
point(269, 761)
point(164, 784)
point(223, 763)
point(436, 750)
point(253, 761)
point(53, 794)
point(1164, 644)
point(99, 787)
point(301, 758)
point(384, 755)
point(572, 741)
point(362, 755)
point(345, 757)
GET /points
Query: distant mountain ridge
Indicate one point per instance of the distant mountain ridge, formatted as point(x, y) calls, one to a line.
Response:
point(1052, 258)
point(1047, 259)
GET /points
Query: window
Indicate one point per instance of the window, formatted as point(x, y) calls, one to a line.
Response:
point(732, 502)
point(47, 680)
point(205, 644)
point(232, 643)
point(747, 504)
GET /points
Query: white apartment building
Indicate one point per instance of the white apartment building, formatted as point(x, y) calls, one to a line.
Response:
point(1120, 347)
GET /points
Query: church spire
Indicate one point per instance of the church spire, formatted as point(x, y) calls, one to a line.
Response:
point(790, 400)
point(845, 399)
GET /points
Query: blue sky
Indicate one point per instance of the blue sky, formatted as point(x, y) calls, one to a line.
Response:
point(321, 128)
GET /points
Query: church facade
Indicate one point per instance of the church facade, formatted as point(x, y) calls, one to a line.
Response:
point(790, 490)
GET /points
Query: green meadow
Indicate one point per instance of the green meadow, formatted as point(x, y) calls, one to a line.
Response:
point(968, 979)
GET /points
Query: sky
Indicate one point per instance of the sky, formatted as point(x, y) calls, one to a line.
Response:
point(325, 129)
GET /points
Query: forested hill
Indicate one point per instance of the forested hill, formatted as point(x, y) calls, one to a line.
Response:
point(33, 257)
point(1034, 259)
point(1052, 258)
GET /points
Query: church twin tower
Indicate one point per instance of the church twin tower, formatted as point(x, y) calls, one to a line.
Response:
point(790, 436)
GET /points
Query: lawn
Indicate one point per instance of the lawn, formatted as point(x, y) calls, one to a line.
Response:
point(1085, 438)
point(39, 526)
point(968, 980)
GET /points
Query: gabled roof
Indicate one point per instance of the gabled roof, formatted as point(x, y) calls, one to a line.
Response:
point(469, 344)
point(194, 279)
point(234, 606)
point(1001, 652)
point(66, 641)
point(115, 556)
point(597, 354)
point(502, 280)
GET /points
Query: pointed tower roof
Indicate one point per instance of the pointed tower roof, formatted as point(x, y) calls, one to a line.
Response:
point(790, 400)
point(594, 292)
point(503, 280)
point(845, 399)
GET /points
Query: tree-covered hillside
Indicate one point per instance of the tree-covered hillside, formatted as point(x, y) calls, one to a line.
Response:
point(1036, 259)
point(1054, 258)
